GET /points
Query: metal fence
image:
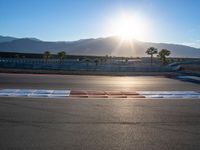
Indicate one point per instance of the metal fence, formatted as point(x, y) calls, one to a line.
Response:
point(77, 65)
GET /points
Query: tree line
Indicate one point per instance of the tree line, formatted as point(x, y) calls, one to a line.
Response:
point(61, 55)
point(162, 55)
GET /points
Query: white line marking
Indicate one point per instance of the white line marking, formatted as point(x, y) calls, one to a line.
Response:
point(65, 93)
point(34, 93)
point(170, 94)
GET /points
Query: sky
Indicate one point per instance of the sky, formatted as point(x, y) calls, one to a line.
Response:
point(168, 21)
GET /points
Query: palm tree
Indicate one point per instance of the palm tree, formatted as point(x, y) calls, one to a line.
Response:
point(61, 55)
point(101, 60)
point(17, 58)
point(96, 61)
point(23, 58)
point(46, 55)
point(87, 61)
point(162, 55)
point(151, 51)
point(106, 58)
point(126, 60)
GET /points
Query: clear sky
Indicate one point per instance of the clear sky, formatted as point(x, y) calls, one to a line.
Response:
point(171, 21)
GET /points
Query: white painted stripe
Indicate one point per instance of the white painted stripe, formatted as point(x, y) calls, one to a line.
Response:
point(174, 96)
point(170, 94)
point(43, 91)
point(189, 77)
point(8, 90)
point(61, 92)
point(4, 94)
point(58, 95)
point(66, 93)
point(34, 93)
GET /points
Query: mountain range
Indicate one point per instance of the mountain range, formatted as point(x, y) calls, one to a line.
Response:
point(100, 46)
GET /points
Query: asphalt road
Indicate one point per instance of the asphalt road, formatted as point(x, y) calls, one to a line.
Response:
point(88, 124)
point(77, 82)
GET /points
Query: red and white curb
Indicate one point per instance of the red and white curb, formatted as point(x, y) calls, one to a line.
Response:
point(136, 94)
point(98, 94)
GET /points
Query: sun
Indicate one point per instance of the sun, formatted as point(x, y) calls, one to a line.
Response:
point(130, 27)
point(124, 27)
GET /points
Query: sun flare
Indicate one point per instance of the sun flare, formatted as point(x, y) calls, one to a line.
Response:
point(130, 27)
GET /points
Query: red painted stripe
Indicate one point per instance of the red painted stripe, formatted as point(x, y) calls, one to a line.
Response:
point(117, 96)
point(129, 93)
point(104, 94)
point(96, 93)
point(136, 96)
point(97, 96)
point(78, 92)
point(113, 92)
point(78, 96)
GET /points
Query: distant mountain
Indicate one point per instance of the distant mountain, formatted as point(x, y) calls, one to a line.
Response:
point(100, 46)
point(9, 39)
point(6, 39)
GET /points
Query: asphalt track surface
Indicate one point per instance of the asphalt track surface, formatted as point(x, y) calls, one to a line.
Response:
point(77, 82)
point(56, 124)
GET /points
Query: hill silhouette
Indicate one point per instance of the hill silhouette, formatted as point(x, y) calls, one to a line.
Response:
point(99, 46)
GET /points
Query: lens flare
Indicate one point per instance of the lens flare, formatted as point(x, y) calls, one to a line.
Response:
point(130, 27)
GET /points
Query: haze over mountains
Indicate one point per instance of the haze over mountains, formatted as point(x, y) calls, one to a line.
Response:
point(100, 46)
